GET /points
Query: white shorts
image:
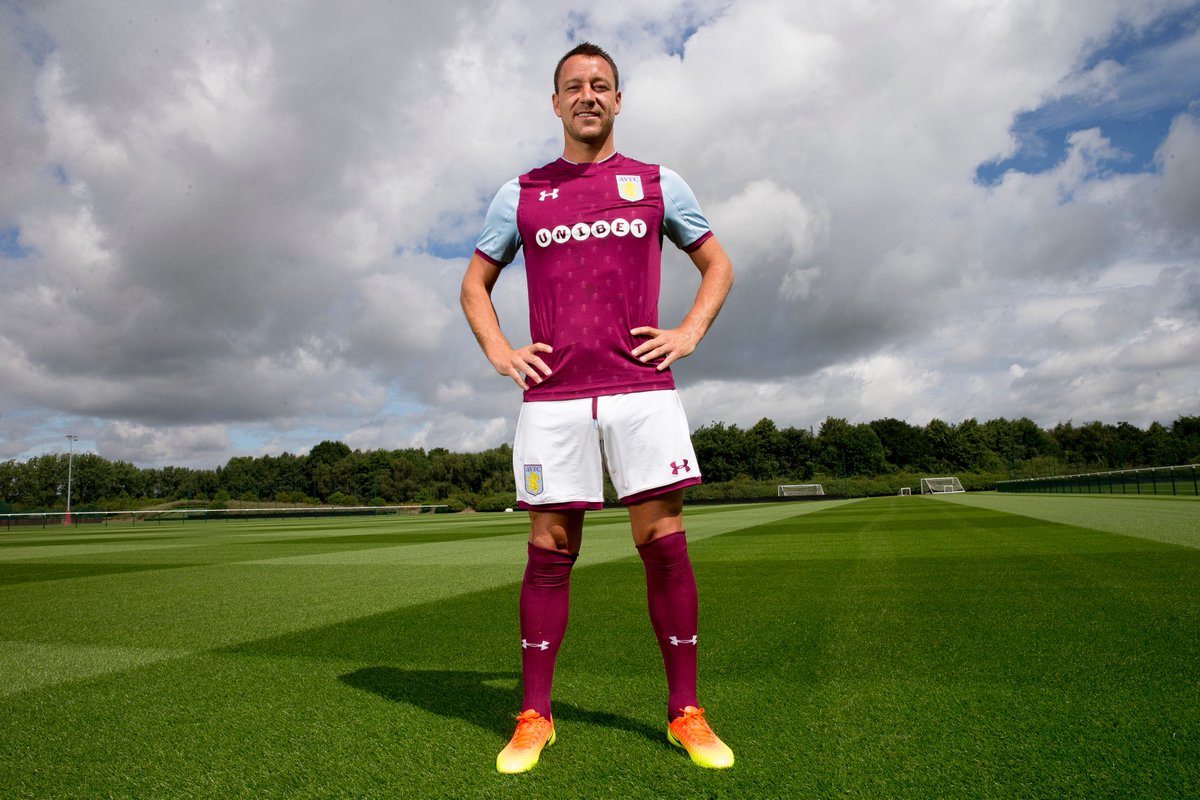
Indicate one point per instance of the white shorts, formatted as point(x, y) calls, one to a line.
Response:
point(645, 440)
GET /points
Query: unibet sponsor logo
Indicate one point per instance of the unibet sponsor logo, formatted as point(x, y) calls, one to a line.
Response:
point(581, 231)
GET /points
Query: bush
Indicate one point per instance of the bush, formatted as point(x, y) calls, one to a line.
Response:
point(453, 506)
point(220, 500)
point(740, 488)
point(495, 502)
point(339, 499)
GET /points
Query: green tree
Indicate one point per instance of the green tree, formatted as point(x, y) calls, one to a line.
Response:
point(864, 452)
point(1161, 447)
point(798, 449)
point(91, 478)
point(765, 447)
point(974, 454)
point(1129, 446)
point(9, 471)
point(328, 452)
point(722, 451)
point(904, 446)
point(1186, 432)
point(944, 445)
point(241, 476)
point(852, 448)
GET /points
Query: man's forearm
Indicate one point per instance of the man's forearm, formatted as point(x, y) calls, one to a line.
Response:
point(476, 300)
point(716, 279)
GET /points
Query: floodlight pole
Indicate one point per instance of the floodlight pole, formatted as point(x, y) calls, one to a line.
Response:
point(72, 438)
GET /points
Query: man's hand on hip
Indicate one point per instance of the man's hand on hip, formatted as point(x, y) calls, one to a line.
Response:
point(670, 344)
point(523, 363)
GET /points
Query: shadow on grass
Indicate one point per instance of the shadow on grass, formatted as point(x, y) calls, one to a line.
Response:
point(470, 696)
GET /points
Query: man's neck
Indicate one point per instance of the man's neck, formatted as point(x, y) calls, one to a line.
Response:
point(583, 153)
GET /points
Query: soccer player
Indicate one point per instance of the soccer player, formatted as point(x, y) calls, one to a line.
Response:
point(596, 375)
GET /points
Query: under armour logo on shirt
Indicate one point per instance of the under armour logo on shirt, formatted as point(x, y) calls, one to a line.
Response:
point(552, 194)
point(676, 467)
point(543, 645)
point(676, 641)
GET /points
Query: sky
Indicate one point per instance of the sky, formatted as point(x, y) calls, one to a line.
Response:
point(239, 228)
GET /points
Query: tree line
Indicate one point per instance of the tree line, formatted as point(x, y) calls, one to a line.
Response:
point(736, 462)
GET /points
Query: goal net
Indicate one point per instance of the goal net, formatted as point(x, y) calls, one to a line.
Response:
point(905, 491)
point(800, 489)
point(940, 485)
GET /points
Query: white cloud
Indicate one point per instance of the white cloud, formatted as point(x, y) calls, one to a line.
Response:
point(397, 313)
point(433, 428)
point(176, 446)
point(768, 226)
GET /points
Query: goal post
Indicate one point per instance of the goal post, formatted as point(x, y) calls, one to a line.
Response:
point(949, 485)
point(800, 489)
point(905, 491)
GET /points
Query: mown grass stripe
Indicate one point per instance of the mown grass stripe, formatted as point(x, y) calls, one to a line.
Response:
point(1173, 520)
point(35, 665)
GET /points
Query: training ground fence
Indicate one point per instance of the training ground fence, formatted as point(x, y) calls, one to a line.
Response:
point(183, 515)
point(1180, 480)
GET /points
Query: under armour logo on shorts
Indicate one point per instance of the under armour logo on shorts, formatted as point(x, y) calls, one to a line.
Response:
point(676, 467)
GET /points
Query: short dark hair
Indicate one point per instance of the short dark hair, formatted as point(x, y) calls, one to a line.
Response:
point(588, 49)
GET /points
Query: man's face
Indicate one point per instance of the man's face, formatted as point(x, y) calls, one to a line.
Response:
point(587, 100)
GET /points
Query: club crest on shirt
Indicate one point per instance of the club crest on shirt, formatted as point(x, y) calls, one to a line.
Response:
point(533, 479)
point(630, 187)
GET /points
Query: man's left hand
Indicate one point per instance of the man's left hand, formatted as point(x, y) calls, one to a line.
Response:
point(669, 344)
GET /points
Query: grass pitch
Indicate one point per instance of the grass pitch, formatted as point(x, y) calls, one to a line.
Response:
point(965, 646)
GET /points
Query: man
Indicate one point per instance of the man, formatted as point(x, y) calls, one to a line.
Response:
point(596, 374)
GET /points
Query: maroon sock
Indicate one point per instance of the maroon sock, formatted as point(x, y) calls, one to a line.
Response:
point(545, 599)
point(671, 595)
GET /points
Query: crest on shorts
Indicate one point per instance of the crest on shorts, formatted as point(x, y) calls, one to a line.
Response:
point(630, 187)
point(533, 479)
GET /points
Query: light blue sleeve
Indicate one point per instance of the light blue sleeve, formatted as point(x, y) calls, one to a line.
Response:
point(683, 222)
point(500, 239)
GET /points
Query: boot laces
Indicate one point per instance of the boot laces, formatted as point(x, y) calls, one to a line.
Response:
point(696, 728)
point(529, 727)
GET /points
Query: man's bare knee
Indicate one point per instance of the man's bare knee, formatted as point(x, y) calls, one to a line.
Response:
point(553, 530)
point(553, 537)
point(656, 517)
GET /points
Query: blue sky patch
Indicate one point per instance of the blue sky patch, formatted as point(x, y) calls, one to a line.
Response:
point(460, 249)
point(1144, 79)
point(10, 243)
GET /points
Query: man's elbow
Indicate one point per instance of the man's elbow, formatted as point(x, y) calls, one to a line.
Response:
point(467, 293)
point(724, 274)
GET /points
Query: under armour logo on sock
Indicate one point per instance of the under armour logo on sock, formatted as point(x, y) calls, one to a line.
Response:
point(543, 645)
point(676, 641)
point(552, 194)
point(676, 467)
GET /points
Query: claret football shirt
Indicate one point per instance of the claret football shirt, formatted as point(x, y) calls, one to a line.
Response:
point(592, 235)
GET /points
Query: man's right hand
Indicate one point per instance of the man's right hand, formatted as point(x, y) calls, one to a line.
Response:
point(524, 363)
